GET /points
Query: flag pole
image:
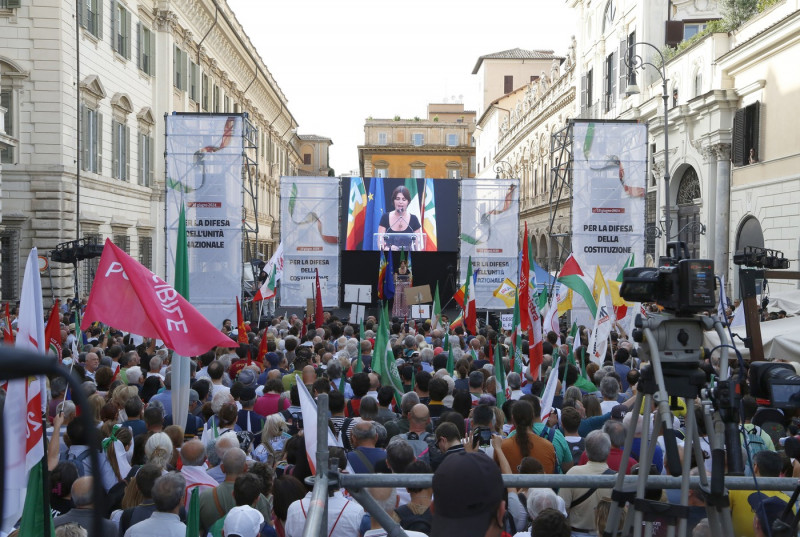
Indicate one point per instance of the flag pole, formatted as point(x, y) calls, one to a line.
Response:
point(47, 520)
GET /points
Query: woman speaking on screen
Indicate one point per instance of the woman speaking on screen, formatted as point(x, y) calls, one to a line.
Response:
point(401, 222)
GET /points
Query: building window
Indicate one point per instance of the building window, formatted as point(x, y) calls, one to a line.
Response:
point(650, 214)
point(691, 29)
point(194, 80)
point(120, 150)
point(7, 102)
point(123, 242)
point(88, 267)
point(216, 98)
point(147, 47)
point(91, 140)
point(179, 68)
point(121, 31)
point(609, 14)
point(226, 104)
point(454, 174)
point(146, 251)
point(204, 97)
point(610, 81)
point(91, 16)
point(452, 140)
point(146, 160)
point(382, 172)
point(417, 139)
point(306, 158)
point(508, 83)
point(9, 277)
point(382, 138)
point(745, 135)
point(418, 173)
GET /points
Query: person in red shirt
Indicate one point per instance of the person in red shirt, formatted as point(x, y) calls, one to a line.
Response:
point(271, 402)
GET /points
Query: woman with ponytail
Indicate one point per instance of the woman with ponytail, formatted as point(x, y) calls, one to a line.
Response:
point(523, 442)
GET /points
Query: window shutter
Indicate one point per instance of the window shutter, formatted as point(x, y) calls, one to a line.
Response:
point(673, 33)
point(612, 79)
point(128, 35)
point(127, 148)
point(738, 149)
point(99, 143)
point(99, 23)
point(584, 95)
point(605, 85)
point(114, 38)
point(84, 134)
point(623, 69)
point(115, 149)
point(754, 113)
point(151, 54)
point(11, 4)
point(142, 161)
point(139, 47)
point(81, 9)
point(151, 161)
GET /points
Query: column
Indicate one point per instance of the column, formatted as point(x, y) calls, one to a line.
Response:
point(722, 152)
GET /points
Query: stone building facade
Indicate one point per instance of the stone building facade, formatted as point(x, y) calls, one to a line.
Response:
point(121, 65)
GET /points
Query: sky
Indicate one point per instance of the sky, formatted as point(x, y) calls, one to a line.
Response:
point(340, 62)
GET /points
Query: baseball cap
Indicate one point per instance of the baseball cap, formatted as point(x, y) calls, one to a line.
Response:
point(247, 377)
point(244, 521)
point(618, 412)
point(248, 394)
point(273, 359)
point(467, 489)
point(768, 509)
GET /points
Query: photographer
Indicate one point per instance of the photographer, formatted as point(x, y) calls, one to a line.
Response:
point(483, 427)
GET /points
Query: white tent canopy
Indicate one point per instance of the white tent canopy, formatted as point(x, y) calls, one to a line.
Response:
point(780, 338)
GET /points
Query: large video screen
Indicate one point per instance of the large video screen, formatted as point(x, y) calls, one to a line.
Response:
point(418, 215)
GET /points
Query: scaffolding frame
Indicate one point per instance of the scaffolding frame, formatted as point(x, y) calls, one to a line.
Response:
point(560, 192)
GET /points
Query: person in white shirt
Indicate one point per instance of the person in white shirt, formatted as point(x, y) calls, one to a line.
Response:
point(344, 516)
point(168, 494)
point(193, 457)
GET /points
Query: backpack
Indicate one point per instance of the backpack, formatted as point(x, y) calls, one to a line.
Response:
point(421, 445)
point(576, 448)
point(548, 433)
point(411, 522)
point(754, 443)
point(77, 461)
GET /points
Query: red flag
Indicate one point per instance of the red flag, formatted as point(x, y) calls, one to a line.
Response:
point(131, 298)
point(262, 349)
point(522, 288)
point(8, 334)
point(318, 315)
point(52, 332)
point(240, 324)
point(304, 330)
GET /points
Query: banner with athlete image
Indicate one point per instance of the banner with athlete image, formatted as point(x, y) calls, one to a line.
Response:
point(309, 233)
point(489, 231)
point(608, 193)
point(204, 173)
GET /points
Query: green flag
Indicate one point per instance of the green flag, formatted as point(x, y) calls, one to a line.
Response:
point(500, 376)
point(388, 373)
point(341, 383)
point(193, 515)
point(583, 381)
point(182, 257)
point(573, 332)
point(516, 351)
point(436, 321)
point(413, 379)
point(33, 514)
point(541, 300)
point(450, 364)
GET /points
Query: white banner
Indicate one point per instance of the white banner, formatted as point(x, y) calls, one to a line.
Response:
point(609, 185)
point(310, 237)
point(204, 172)
point(489, 231)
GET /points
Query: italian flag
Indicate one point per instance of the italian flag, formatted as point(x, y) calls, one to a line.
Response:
point(573, 277)
point(267, 290)
point(470, 317)
point(437, 310)
point(414, 204)
point(356, 213)
point(429, 217)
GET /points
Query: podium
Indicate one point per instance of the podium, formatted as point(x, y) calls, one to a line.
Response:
point(410, 242)
point(401, 307)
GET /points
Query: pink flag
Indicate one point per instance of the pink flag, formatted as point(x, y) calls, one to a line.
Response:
point(129, 297)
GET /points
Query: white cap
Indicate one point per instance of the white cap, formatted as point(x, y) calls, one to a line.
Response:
point(243, 521)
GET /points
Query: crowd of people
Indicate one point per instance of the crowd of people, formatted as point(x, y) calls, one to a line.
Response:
point(243, 451)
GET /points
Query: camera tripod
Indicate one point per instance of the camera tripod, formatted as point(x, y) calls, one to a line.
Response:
point(673, 345)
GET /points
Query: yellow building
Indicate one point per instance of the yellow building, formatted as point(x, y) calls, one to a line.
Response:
point(313, 151)
point(437, 147)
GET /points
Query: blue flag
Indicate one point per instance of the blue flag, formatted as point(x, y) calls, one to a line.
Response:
point(376, 207)
point(388, 280)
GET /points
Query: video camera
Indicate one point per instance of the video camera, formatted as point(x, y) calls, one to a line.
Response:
point(777, 382)
point(680, 285)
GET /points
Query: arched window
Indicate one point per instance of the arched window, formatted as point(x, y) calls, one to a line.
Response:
point(750, 234)
point(689, 211)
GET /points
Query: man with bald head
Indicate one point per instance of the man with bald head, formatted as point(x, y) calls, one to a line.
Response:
point(193, 456)
point(83, 512)
point(374, 385)
point(418, 436)
point(222, 445)
point(365, 456)
point(215, 503)
point(309, 376)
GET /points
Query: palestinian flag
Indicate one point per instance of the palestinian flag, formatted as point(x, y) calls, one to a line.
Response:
point(573, 277)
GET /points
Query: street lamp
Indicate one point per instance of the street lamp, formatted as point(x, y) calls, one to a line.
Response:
point(634, 61)
point(500, 167)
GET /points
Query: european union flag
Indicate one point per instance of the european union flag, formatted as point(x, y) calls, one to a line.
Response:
point(376, 207)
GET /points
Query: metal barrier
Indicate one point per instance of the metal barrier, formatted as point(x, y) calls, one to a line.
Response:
point(357, 483)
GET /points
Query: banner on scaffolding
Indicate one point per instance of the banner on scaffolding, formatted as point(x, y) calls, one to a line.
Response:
point(608, 194)
point(489, 231)
point(204, 159)
point(309, 232)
